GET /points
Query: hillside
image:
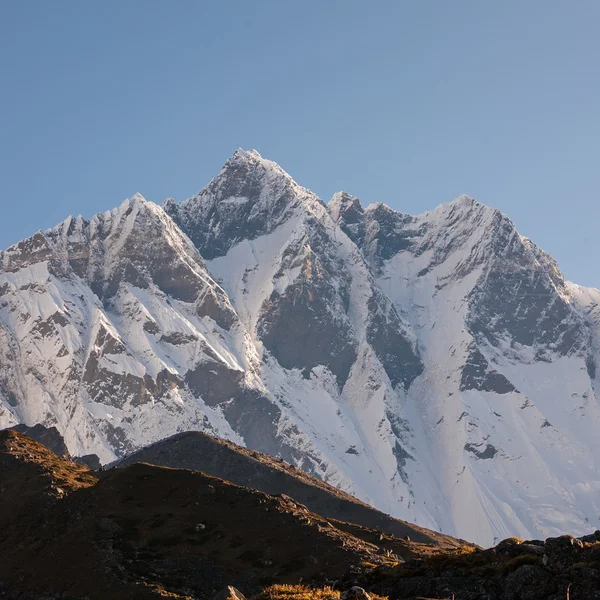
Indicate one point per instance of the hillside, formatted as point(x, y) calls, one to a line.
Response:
point(151, 532)
point(145, 532)
point(239, 465)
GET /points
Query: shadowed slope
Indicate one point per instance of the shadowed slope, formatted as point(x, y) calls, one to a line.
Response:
point(221, 458)
point(147, 531)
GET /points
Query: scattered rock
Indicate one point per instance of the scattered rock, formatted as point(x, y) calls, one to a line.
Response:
point(509, 547)
point(528, 582)
point(229, 593)
point(533, 549)
point(564, 543)
point(91, 461)
point(515, 547)
point(592, 538)
point(355, 593)
point(108, 525)
point(535, 543)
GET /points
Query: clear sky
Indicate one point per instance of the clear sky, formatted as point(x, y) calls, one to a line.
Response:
point(406, 102)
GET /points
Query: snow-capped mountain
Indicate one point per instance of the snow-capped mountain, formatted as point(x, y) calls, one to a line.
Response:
point(436, 366)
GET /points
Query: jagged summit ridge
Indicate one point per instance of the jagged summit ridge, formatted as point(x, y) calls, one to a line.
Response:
point(247, 157)
point(251, 196)
point(342, 201)
point(429, 364)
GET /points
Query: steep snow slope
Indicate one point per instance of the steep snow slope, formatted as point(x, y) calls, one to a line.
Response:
point(437, 366)
point(105, 322)
point(507, 398)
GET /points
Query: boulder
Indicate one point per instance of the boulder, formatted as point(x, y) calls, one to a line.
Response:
point(230, 593)
point(528, 582)
point(562, 552)
point(355, 593)
point(564, 543)
point(509, 547)
point(591, 539)
point(91, 461)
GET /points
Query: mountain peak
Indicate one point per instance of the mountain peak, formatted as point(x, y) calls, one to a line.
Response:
point(343, 203)
point(250, 197)
point(242, 155)
point(251, 161)
point(137, 197)
point(466, 206)
point(464, 199)
point(380, 207)
point(343, 197)
point(246, 174)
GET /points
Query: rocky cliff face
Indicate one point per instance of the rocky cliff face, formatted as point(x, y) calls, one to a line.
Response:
point(437, 366)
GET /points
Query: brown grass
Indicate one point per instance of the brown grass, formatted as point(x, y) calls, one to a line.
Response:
point(66, 475)
point(461, 556)
point(468, 558)
point(160, 590)
point(302, 592)
point(297, 592)
point(514, 540)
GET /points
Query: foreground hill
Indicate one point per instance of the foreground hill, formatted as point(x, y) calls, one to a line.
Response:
point(146, 532)
point(151, 532)
point(51, 438)
point(242, 466)
point(436, 366)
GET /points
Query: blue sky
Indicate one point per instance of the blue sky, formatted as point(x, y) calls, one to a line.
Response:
point(408, 103)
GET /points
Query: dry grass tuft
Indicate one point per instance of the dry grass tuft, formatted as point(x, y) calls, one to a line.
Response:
point(302, 592)
point(461, 556)
point(513, 540)
point(160, 590)
point(297, 592)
